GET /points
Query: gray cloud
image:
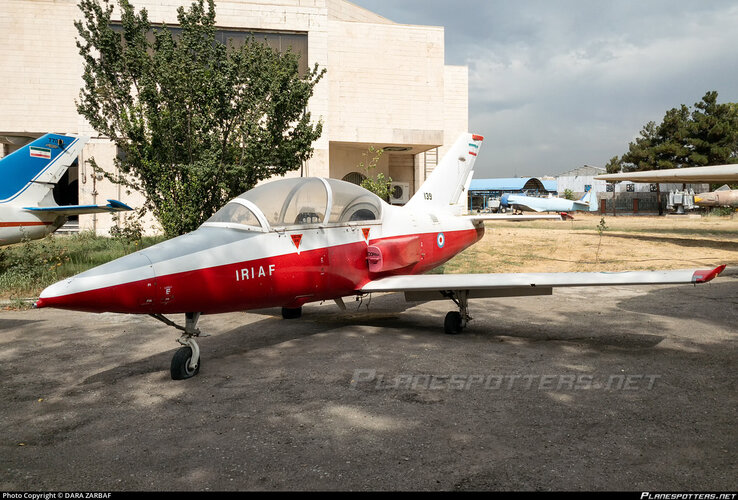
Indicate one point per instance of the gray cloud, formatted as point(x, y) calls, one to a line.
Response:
point(554, 85)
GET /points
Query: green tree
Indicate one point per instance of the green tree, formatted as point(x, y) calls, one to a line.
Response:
point(705, 135)
point(197, 122)
point(713, 132)
point(377, 183)
point(614, 165)
point(641, 154)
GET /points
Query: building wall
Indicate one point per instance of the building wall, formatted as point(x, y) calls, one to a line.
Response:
point(386, 83)
point(577, 184)
point(41, 71)
point(340, 10)
point(455, 105)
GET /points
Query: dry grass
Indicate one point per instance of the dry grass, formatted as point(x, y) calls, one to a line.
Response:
point(628, 243)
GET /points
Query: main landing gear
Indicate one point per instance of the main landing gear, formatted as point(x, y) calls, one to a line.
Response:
point(186, 361)
point(456, 320)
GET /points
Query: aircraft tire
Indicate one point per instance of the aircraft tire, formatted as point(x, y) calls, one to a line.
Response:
point(452, 323)
point(291, 312)
point(180, 368)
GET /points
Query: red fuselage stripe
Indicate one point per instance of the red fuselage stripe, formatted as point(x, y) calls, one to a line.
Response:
point(21, 224)
point(284, 280)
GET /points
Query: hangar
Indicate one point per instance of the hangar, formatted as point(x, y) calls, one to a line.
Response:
point(387, 86)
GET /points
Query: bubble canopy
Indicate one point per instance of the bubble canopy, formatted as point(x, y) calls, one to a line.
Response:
point(299, 202)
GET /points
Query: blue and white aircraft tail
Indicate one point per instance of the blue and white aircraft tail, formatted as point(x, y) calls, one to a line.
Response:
point(27, 180)
point(586, 202)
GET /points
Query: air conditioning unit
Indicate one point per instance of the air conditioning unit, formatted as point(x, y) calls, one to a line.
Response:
point(399, 193)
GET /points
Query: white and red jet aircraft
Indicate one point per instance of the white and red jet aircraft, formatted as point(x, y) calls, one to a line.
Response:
point(293, 241)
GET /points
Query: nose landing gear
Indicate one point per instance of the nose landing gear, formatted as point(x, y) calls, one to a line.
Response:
point(186, 361)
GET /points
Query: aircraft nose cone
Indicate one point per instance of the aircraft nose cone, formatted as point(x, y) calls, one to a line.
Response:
point(125, 285)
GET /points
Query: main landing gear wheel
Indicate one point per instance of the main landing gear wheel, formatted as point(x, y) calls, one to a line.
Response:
point(291, 312)
point(181, 368)
point(456, 320)
point(452, 323)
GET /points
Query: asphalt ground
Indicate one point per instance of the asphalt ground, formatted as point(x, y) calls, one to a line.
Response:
point(630, 388)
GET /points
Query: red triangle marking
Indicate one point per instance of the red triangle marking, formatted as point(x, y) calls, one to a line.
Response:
point(296, 238)
point(366, 230)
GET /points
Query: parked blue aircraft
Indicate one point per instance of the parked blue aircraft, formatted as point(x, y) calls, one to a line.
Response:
point(27, 180)
point(525, 203)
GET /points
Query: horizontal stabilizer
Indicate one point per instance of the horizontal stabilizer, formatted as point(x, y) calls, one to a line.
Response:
point(112, 206)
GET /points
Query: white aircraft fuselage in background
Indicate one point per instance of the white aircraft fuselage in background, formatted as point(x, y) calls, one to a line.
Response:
point(714, 174)
point(525, 203)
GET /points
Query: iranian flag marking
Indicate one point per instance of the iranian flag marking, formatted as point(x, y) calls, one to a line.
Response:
point(40, 153)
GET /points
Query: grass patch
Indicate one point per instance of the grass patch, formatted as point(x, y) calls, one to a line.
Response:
point(29, 267)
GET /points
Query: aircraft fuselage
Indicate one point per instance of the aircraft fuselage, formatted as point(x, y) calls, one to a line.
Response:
point(17, 225)
point(214, 270)
point(726, 198)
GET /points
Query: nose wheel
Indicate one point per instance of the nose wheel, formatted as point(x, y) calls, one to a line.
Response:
point(182, 362)
point(186, 361)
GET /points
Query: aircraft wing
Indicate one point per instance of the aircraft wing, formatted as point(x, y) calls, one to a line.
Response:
point(715, 174)
point(112, 206)
point(437, 286)
point(483, 217)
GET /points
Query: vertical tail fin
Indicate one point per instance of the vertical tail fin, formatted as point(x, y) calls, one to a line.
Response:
point(30, 173)
point(588, 202)
point(446, 187)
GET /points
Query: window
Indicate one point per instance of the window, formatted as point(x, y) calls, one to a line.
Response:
point(354, 178)
point(235, 213)
point(279, 41)
point(290, 202)
point(352, 203)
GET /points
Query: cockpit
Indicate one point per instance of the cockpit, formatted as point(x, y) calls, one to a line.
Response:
point(299, 202)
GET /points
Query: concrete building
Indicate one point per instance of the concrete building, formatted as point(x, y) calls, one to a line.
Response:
point(580, 180)
point(387, 85)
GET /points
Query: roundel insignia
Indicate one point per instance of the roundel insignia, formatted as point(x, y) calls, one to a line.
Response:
point(441, 240)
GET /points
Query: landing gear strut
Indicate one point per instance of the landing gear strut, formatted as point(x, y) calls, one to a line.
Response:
point(186, 361)
point(456, 320)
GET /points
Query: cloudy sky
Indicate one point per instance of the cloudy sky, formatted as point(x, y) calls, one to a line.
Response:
point(554, 85)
